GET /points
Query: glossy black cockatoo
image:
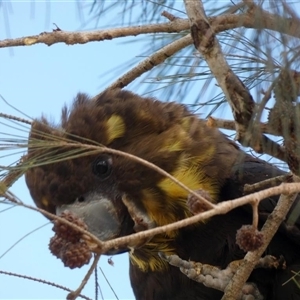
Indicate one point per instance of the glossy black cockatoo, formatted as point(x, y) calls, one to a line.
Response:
point(95, 183)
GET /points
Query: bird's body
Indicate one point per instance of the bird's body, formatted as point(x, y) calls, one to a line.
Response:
point(169, 136)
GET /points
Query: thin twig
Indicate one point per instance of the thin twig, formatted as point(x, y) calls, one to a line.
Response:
point(42, 281)
point(230, 125)
point(18, 119)
point(96, 284)
point(255, 214)
point(86, 234)
point(129, 156)
point(22, 238)
point(250, 188)
point(263, 103)
point(74, 294)
point(220, 208)
point(169, 16)
point(107, 281)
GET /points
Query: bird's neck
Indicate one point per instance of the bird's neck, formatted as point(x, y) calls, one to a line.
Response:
point(146, 258)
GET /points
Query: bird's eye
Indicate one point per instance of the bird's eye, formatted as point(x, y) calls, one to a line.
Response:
point(102, 166)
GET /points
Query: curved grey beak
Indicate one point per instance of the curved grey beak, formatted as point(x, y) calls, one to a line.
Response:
point(98, 213)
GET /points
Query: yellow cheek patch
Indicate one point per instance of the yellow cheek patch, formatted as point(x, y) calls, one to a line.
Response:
point(173, 145)
point(190, 174)
point(186, 123)
point(143, 115)
point(207, 153)
point(173, 205)
point(115, 128)
point(191, 124)
point(164, 211)
point(45, 202)
point(156, 208)
point(175, 140)
point(187, 176)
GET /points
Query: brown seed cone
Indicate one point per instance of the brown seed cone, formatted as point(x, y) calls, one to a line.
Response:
point(66, 232)
point(249, 238)
point(57, 245)
point(76, 255)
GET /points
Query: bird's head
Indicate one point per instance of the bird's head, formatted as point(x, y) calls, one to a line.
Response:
point(115, 194)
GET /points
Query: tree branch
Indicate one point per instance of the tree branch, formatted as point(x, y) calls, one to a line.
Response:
point(72, 38)
point(221, 23)
point(252, 257)
point(237, 94)
point(205, 41)
point(220, 208)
